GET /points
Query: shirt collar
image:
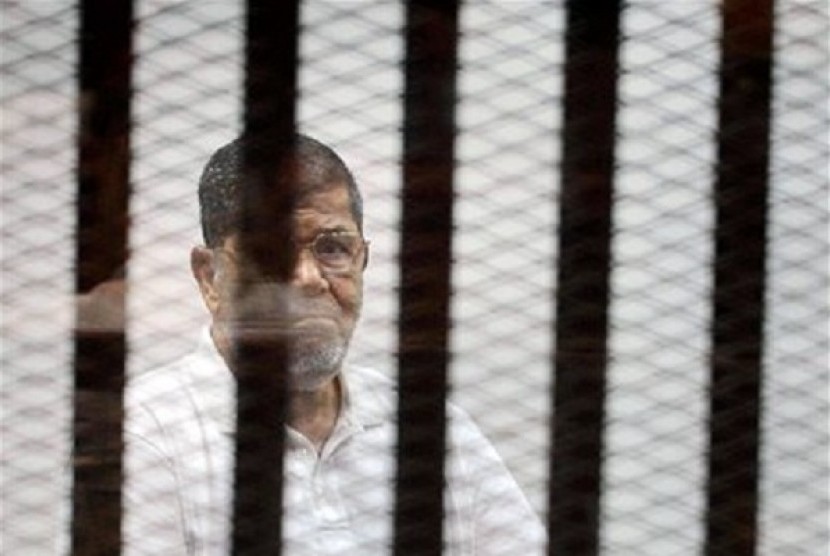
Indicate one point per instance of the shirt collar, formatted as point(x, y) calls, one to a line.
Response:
point(370, 396)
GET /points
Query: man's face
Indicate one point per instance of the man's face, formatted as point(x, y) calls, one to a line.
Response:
point(314, 312)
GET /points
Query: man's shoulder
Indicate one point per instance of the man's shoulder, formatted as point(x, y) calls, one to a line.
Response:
point(373, 394)
point(167, 383)
point(163, 399)
point(368, 377)
point(380, 391)
point(159, 383)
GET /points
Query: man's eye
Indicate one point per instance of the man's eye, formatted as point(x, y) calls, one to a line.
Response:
point(332, 248)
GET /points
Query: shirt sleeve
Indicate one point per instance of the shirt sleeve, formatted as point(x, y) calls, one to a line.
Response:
point(501, 521)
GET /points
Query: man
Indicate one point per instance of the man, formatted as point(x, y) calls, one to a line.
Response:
point(339, 464)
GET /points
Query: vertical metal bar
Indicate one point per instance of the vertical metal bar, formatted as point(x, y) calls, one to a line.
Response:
point(426, 252)
point(591, 67)
point(741, 193)
point(272, 34)
point(102, 227)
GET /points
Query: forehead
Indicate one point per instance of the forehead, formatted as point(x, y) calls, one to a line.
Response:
point(317, 209)
point(324, 208)
point(328, 209)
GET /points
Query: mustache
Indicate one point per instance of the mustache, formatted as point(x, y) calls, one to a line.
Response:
point(277, 302)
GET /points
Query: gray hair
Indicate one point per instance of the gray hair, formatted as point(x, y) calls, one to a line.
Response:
point(220, 201)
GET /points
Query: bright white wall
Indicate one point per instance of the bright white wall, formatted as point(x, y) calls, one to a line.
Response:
point(187, 104)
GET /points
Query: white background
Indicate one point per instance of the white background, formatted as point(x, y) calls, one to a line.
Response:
point(187, 104)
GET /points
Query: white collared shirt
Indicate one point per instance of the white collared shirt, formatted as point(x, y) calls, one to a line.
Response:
point(179, 468)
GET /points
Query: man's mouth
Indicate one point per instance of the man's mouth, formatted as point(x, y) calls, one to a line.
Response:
point(307, 325)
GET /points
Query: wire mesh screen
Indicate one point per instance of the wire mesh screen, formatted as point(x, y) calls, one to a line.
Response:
point(38, 90)
point(662, 277)
point(510, 132)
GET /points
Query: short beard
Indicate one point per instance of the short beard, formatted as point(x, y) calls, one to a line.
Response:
point(310, 367)
point(311, 364)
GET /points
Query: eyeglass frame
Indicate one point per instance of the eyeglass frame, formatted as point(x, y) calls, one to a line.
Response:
point(362, 248)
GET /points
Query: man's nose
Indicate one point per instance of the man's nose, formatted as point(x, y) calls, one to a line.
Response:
point(307, 274)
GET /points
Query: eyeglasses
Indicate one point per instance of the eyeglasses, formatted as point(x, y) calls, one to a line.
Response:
point(337, 252)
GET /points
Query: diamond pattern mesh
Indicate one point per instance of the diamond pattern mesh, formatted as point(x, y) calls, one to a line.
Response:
point(38, 124)
point(657, 405)
point(188, 77)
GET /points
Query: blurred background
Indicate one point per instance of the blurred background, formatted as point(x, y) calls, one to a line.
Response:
point(187, 103)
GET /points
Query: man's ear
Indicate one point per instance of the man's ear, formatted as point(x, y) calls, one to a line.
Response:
point(366, 255)
point(204, 269)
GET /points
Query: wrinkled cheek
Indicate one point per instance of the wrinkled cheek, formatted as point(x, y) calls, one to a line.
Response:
point(351, 302)
point(245, 302)
point(225, 309)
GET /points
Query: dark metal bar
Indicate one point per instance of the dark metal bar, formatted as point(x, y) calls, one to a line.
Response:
point(102, 226)
point(591, 67)
point(426, 251)
point(269, 125)
point(741, 193)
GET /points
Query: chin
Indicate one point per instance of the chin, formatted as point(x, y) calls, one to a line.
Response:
point(314, 356)
point(310, 368)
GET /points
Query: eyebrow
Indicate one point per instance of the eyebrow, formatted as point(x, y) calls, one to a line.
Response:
point(324, 230)
point(335, 230)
